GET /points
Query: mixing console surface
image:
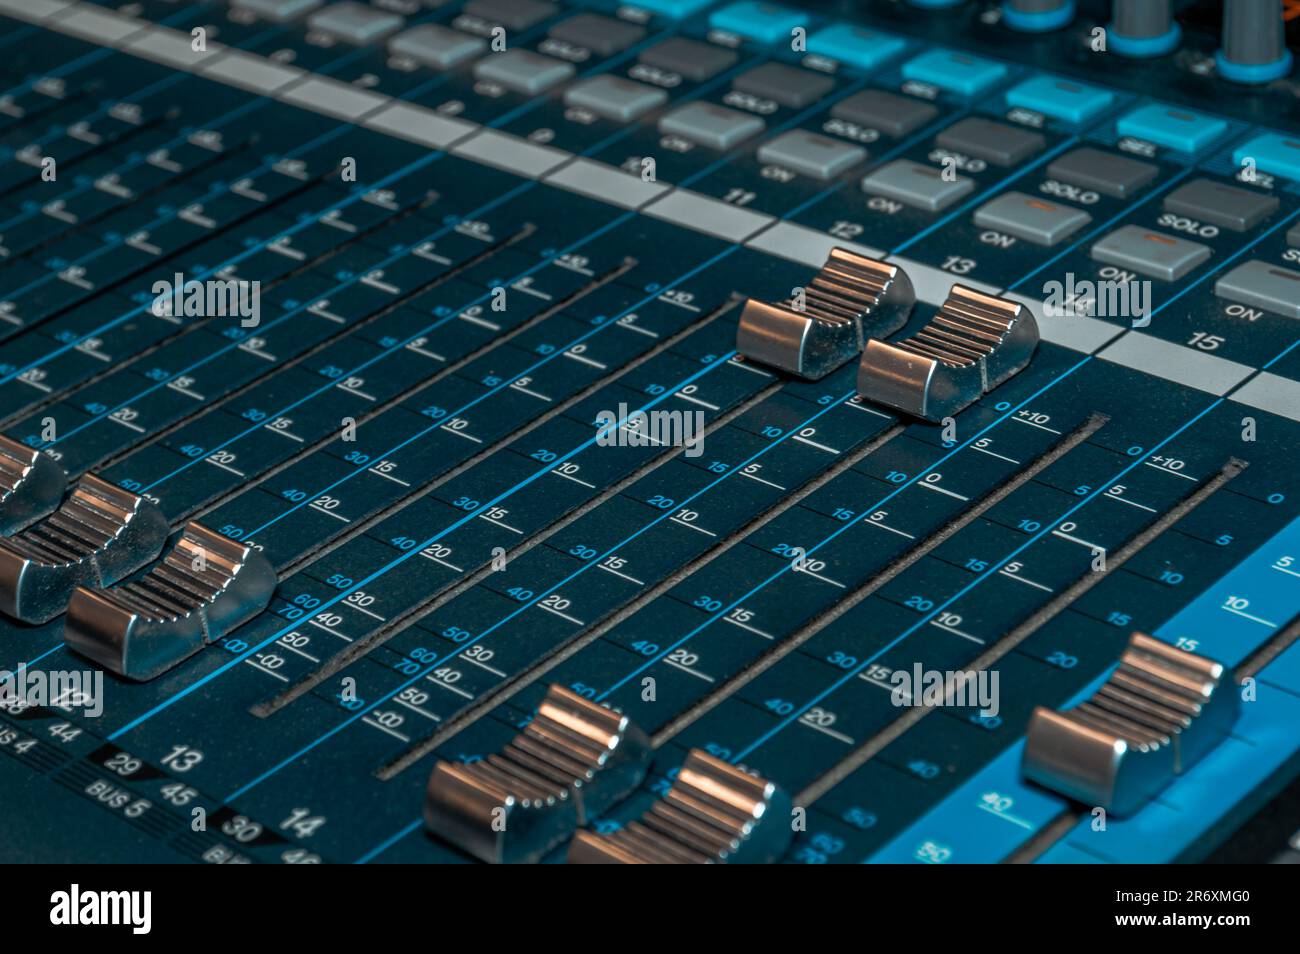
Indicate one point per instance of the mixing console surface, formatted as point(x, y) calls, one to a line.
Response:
point(672, 431)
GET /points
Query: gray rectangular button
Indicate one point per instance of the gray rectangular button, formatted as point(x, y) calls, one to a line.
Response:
point(523, 71)
point(1150, 253)
point(690, 58)
point(1031, 218)
point(436, 46)
point(604, 36)
point(921, 187)
point(277, 11)
point(810, 154)
point(1116, 176)
point(1262, 285)
point(614, 97)
point(888, 112)
point(711, 125)
point(511, 14)
point(1293, 236)
point(997, 143)
point(1219, 204)
point(786, 85)
point(355, 23)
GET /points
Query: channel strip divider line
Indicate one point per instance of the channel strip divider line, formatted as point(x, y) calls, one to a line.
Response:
point(284, 363)
point(362, 647)
point(363, 524)
point(511, 686)
point(982, 577)
point(1026, 628)
point(913, 555)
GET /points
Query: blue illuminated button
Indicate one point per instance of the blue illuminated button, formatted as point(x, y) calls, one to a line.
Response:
point(1179, 129)
point(677, 9)
point(1060, 98)
point(765, 22)
point(855, 46)
point(955, 72)
point(1279, 155)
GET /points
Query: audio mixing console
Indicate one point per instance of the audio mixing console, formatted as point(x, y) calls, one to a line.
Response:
point(665, 431)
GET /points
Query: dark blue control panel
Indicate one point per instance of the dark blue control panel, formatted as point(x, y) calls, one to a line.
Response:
point(412, 324)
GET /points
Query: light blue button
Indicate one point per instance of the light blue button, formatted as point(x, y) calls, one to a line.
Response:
point(955, 72)
point(1279, 155)
point(1060, 98)
point(765, 22)
point(865, 49)
point(1173, 128)
point(677, 9)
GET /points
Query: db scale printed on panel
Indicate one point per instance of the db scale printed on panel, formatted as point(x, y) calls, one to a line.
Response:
point(672, 431)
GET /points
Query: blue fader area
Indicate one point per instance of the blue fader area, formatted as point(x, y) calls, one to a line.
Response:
point(764, 22)
point(955, 72)
point(1172, 128)
point(1275, 154)
point(856, 46)
point(1061, 98)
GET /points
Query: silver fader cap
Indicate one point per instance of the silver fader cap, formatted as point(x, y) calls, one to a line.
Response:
point(850, 299)
point(572, 762)
point(100, 534)
point(715, 813)
point(1156, 716)
point(971, 345)
point(206, 586)
point(31, 485)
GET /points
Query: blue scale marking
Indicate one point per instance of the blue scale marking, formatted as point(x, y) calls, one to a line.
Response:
point(964, 827)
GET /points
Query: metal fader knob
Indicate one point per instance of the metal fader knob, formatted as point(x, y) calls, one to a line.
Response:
point(573, 761)
point(974, 343)
point(206, 586)
point(715, 813)
point(851, 298)
point(101, 534)
point(31, 485)
point(1160, 712)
